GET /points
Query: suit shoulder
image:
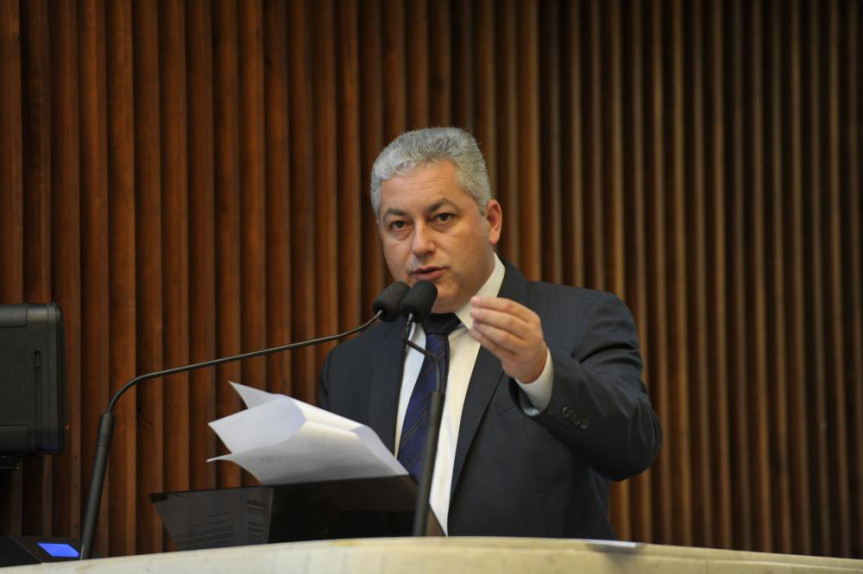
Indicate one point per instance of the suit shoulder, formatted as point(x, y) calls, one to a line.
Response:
point(567, 309)
point(364, 343)
point(580, 299)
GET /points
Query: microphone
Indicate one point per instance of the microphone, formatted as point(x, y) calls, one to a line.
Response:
point(386, 308)
point(416, 307)
point(417, 304)
point(388, 303)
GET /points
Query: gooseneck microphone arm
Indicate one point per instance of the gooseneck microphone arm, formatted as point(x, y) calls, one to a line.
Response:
point(416, 306)
point(106, 424)
point(386, 309)
point(231, 359)
point(435, 414)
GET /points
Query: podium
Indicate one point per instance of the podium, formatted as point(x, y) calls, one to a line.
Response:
point(439, 555)
point(337, 509)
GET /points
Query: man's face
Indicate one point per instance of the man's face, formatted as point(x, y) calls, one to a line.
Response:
point(433, 231)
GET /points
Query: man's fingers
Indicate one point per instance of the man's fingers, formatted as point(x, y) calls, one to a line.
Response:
point(505, 314)
point(499, 304)
point(493, 346)
point(496, 339)
point(520, 360)
point(500, 320)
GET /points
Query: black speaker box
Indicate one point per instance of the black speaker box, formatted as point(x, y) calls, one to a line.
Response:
point(32, 380)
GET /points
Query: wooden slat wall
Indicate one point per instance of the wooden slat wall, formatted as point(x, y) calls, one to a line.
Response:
point(189, 179)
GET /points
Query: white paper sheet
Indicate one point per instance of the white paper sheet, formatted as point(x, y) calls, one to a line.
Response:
point(281, 440)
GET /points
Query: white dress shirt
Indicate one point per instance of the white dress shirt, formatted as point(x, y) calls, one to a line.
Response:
point(463, 353)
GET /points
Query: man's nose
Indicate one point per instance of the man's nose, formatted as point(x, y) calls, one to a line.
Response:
point(423, 240)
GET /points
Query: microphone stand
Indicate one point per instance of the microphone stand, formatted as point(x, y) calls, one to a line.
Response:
point(435, 413)
point(106, 422)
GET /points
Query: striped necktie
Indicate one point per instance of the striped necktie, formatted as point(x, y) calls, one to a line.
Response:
point(416, 424)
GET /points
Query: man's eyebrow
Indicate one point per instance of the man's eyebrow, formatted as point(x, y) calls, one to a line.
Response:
point(392, 211)
point(431, 209)
point(443, 202)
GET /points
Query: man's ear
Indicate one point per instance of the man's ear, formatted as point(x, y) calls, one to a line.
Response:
point(494, 220)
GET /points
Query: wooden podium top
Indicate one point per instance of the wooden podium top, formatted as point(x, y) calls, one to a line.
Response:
point(449, 555)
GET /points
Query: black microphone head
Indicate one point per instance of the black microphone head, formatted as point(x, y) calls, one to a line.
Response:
point(418, 303)
point(389, 301)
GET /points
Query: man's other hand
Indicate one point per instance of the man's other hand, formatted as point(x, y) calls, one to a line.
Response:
point(512, 333)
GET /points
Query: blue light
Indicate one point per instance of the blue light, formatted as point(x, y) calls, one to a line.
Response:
point(59, 550)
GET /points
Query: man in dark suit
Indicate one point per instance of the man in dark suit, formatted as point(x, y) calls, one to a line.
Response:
point(544, 403)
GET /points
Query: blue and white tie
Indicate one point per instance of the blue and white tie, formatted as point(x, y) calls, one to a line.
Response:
point(416, 424)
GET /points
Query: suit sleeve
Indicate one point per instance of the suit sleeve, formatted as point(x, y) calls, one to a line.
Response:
point(599, 407)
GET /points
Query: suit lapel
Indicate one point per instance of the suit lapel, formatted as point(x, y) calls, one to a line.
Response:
point(385, 384)
point(487, 375)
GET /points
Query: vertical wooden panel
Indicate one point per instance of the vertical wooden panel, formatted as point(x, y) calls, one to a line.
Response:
point(252, 216)
point(816, 387)
point(550, 140)
point(486, 68)
point(416, 34)
point(717, 288)
point(463, 57)
point(278, 223)
point(572, 149)
point(635, 175)
point(529, 206)
point(612, 151)
point(349, 189)
point(122, 485)
point(11, 153)
point(175, 239)
point(303, 254)
point(372, 128)
point(95, 309)
point(615, 264)
point(202, 230)
point(35, 124)
point(592, 84)
point(854, 269)
point(663, 487)
point(835, 335)
point(742, 496)
point(148, 210)
point(227, 210)
point(326, 208)
point(396, 119)
point(759, 482)
point(506, 128)
point(696, 260)
point(440, 65)
point(796, 305)
point(680, 429)
point(776, 327)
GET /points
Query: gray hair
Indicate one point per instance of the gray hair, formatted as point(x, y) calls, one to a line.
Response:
point(431, 145)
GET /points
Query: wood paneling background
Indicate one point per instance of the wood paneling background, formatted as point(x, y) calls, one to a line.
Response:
point(189, 180)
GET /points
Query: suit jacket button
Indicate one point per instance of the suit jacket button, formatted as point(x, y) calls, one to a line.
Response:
point(583, 423)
